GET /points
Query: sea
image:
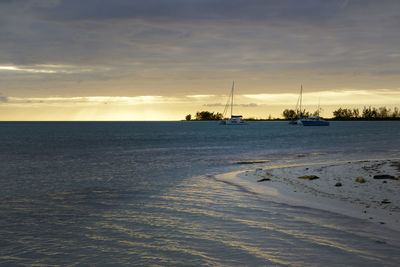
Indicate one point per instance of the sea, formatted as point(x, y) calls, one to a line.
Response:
point(148, 194)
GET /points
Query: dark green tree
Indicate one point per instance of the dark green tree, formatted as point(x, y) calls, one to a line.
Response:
point(208, 116)
point(289, 114)
point(369, 113)
point(356, 113)
point(395, 113)
point(345, 114)
point(383, 112)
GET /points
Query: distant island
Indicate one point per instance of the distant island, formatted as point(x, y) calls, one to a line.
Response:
point(368, 113)
point(211, 116)
point(205, 116)
point(341, 114)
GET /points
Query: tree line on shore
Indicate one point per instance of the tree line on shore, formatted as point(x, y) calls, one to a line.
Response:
point(205, 116)
point(211, 116)
point(367, 113)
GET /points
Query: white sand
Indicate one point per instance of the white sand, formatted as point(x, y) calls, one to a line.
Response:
point(361, 200)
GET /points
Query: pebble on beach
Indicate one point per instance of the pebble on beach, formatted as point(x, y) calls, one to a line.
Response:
point(360, 180)
point(308, 177)
point(384, 176)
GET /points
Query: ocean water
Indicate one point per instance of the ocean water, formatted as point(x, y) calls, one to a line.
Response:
point(146, 193)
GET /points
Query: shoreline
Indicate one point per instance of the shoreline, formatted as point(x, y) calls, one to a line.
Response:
point(344, 187)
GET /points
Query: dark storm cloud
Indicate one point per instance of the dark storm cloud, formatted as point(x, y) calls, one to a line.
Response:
point(93, 31)
point(182, 39)
point(177, 10)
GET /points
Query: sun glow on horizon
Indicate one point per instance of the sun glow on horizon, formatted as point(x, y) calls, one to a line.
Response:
point(157, 107)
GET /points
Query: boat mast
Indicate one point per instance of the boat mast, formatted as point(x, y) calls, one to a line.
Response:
point(233, 85)
point(301, 98)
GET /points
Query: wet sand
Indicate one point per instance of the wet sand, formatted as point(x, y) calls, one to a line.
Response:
point(353, 188)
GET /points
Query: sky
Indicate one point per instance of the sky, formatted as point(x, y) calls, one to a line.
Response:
point(164, 59)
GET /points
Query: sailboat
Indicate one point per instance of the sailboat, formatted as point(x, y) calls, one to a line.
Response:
point(235, 119)
point(315, 120)
point(297, 121)
point(310, 120)
point(307, 121)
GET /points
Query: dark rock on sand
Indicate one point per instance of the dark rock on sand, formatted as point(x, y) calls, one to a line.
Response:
point(308, 177)
point(252, 162)
point(360, 180)
point(384, 176)
point(264, 179)
point(396, 165)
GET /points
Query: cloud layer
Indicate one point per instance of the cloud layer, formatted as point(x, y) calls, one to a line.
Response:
point(72, 48)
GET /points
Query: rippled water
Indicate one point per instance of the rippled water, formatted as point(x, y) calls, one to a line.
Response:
point(146, 193)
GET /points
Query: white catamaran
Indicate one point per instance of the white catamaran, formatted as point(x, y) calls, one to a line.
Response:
point(235, 119)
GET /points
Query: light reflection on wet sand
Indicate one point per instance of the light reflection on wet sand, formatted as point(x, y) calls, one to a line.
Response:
point(286, 235)
point(202, 221)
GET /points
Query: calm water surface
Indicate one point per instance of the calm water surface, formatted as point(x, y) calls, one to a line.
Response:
point(145, 193)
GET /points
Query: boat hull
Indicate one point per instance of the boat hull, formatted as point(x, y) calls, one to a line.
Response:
point(232, 122)
point(315, 123)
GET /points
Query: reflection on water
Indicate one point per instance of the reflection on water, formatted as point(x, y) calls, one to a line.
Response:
point(201, 221)
point(117, 201)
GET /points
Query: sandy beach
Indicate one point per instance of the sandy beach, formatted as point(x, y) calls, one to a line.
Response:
point(367, 189)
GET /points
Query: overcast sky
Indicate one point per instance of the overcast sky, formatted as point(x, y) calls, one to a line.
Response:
point(166, 55)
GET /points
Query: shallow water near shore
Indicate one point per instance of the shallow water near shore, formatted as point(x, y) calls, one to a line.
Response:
point(144, 193)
